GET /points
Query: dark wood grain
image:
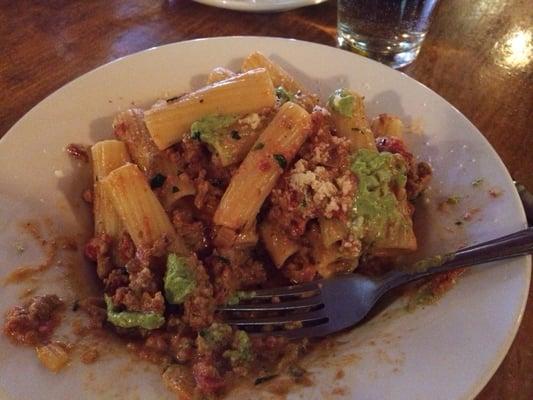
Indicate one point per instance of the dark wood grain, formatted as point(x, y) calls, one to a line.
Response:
point(478, 55)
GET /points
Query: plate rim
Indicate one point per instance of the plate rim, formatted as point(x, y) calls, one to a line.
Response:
point(253, 7)
point(498, 357)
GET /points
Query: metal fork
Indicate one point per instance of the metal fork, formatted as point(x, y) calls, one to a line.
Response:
point(326, 306)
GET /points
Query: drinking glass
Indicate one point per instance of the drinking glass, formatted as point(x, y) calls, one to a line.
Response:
point(389, 31)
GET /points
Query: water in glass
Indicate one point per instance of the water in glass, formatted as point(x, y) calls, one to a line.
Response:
point(390, 31)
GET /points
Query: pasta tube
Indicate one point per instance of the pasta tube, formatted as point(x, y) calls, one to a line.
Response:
point(106, 156)
point(281, 78)
point(245, 93)
point(332, 230)
point(348, 112)
point(53, 356)
point(138, 207)
point(399, 237)
point(219, 74)
point(262, 167)
point(129, 127)
point(333, 259)
point(278, 244)
point(175, 188)
point(387, 125)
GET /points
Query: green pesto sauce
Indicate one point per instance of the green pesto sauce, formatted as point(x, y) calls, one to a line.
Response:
point(206, 129)
point(131, 319)
point(431, 262)
point(342, 102)
point(238, 296)
point(217, 334)
point(376, 207)
point(241, 351)
point(179, 279)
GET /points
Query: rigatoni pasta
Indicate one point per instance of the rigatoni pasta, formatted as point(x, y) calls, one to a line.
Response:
point(261, 168)
point(387, 125)
point(129, 127)
point(348, 112)
point(332, 230)
point(281, 79)
point(138, 207)
point(244, 184)
point(248, 92)
point(219, 74)
point(106, 156)
point(278, 244)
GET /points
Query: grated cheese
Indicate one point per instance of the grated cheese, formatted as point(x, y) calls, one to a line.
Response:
point(251, 119)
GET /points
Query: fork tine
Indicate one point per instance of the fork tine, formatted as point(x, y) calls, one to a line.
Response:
point(285, 290)
point(280, 319)
point(282, 306)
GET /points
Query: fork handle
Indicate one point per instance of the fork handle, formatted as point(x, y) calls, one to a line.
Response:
point(516, 244)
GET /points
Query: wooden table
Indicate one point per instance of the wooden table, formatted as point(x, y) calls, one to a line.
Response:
point(478, 55)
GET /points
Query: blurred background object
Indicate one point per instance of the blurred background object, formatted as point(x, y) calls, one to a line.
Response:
point(260, 6)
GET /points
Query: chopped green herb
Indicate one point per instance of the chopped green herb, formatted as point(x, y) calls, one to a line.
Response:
point(157, 181)
point(172, 99)
point(281, 160)
point(235, 135)
point(259, 146)
point(265, 378)
point(458, 223)
point(477, 182)
point(195, 134)
point(175, 189)
point(453, 200)
point(284, 95)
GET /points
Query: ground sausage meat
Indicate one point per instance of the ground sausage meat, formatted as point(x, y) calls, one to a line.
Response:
point(78, 152)
point(318, 185)
point(207, 376)
point(33, 322)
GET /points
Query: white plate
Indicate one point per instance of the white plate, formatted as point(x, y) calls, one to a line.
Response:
point(444, 351)
point(260, 5)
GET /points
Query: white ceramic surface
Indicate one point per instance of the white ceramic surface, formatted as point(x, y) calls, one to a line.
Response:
point(444, 351)
point(260, 5)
